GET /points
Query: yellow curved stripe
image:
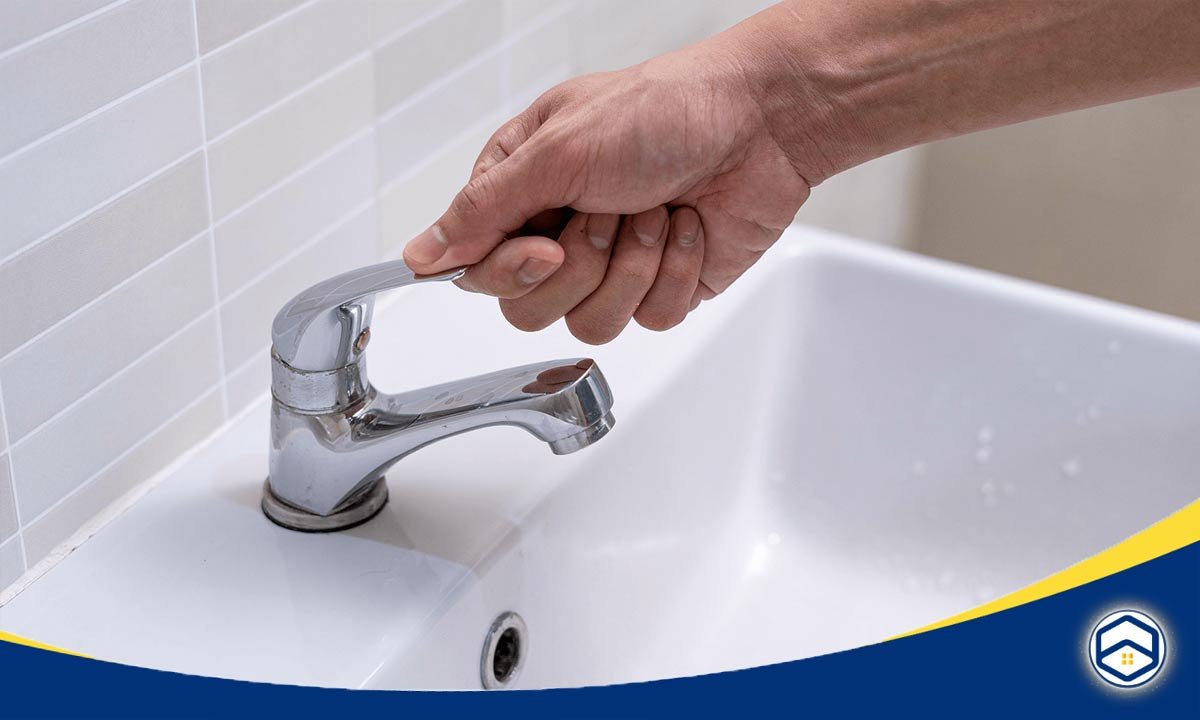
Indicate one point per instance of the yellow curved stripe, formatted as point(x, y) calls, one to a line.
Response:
point(1167, 535)
point(18, 640)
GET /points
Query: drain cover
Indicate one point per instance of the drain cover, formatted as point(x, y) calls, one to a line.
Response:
point(504, 649)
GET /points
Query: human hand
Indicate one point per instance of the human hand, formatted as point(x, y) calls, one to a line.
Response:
point(676, 182)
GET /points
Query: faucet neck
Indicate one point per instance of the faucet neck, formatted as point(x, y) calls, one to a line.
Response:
point(314, 392)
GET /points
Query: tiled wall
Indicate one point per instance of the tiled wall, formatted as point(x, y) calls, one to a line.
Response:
point(171, 171)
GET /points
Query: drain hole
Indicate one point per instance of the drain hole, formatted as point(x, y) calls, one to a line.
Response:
point(504, 650)
point(507, 655)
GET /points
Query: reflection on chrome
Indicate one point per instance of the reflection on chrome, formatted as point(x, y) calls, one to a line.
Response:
point(333, 436)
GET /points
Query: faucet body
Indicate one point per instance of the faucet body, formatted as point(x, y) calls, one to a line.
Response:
point(334, 436)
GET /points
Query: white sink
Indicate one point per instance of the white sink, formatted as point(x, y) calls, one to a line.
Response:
point(853, 442)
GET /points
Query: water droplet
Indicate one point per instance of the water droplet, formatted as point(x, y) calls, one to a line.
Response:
point(919, 468)
point(988, 487)
point(983, 593)
point(1009, 489)
point(1114, 347)
point(1081, 419)
point(983, 455)
point(1060, 387)
point(1093, 411)
point(1071, 468)
point(985, 434)
point(773, 538)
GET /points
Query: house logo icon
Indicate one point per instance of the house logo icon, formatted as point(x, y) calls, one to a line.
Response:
point(1127, 648)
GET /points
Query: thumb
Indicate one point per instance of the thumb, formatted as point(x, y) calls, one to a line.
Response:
point(492, 205)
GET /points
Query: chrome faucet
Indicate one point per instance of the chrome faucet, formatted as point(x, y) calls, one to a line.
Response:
point(333, 436)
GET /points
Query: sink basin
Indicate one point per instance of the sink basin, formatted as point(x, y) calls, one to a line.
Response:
point(852, 443)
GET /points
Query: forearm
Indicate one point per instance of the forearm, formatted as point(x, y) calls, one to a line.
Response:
point(844, 81)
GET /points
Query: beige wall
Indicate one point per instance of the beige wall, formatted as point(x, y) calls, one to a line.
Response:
point(1105, 201)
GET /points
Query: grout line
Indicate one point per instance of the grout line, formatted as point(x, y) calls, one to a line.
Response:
point(309, 85)
point(107, 201)
point(286, 179)
point(119, 505)
point(212, 240)
point(60, 29)
point(110, 291)
point(479, 59)
point(252, 31)
point(194, 322)
point(126, 453)
point(12, 479)
point(295, 252)
point(91, 114)
point(438, 155)
point(416, 23)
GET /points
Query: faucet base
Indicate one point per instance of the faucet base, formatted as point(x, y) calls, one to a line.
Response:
point(362, 509)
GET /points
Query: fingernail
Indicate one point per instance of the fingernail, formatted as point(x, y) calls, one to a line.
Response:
point(648, 240)
point(428, 247)
point(534, 270)
point(600, 242)
point(686, 225)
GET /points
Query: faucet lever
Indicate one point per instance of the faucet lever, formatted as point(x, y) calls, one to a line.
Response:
point(319, 329)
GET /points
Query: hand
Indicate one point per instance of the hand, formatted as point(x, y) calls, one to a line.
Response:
point(676, 182)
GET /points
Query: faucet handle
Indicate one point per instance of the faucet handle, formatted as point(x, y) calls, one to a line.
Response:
point(323, 328)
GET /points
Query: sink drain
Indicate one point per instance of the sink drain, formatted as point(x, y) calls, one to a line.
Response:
point(504, 651)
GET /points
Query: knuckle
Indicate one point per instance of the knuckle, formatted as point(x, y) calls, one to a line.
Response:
point(523, 317)
point(657, 319)
point(473, 199)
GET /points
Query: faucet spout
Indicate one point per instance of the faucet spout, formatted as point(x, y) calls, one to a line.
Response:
point(333, 435)
point(327, 468)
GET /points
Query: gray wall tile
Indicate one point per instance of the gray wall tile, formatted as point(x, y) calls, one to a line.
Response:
point(412, 135)
point(417, 58)
point(162, 447)
point(66, 271)
point(246, 318)
point(8, 502)
point(111, 334)
point(254, 72)
point(24, 20)
point(265, 151)
point(221, 21)
point(70, 74)
point(57, 180)
point(62, 454)
point(267, 230)
point(12, 563)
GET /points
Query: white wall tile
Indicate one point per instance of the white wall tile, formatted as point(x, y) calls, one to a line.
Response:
point(389, 17)
point(12, 562)
point(269, 148)
point(250, 241)
point(55, 277)
point(246, 318)
point(8, 502)
point(409, 205)
point(54, 182)
point(252, 73)
point(545, 51)
point(429, 51)
point(74, 72)
point(159, 449)
point(62, 454)
point(249, 382)
point(221, 21)
point(112, 333)
point(412, 135)
point(24, 20)
point(3, 432)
